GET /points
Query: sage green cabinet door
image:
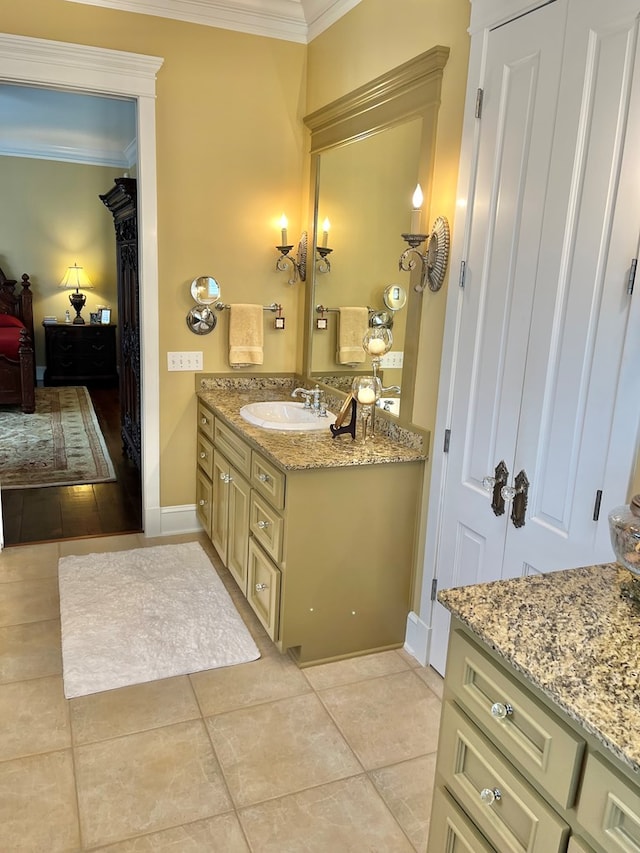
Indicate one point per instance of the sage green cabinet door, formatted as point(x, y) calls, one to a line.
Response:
point(609, 807)
point(576, 845)
point(238, 528)
point(203, 501)
point(220, 504)
point(263, 589)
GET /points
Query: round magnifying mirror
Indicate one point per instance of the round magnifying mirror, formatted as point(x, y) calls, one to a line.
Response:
point(394, 297)
point(205, 290)
point(201, 320)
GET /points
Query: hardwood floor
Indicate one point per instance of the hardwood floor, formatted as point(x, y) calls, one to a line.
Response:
point(69, 512)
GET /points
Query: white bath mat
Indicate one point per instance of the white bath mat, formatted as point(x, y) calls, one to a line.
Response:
point(134, 616)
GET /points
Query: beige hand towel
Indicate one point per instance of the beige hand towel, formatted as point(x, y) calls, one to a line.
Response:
point(352, 326)
point(246, 323)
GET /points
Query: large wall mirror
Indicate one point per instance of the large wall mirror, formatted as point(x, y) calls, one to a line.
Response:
point(369, 150)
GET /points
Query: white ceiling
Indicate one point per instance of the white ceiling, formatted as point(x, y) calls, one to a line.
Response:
point(67, 126)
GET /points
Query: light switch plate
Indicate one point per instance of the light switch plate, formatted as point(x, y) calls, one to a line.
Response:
point(392, 359)
point(184, 361)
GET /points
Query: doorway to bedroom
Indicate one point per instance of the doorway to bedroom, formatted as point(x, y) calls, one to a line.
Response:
point(61, 151)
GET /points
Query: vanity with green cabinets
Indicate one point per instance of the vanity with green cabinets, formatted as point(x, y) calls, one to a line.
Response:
point(539, 747)
point(319, 533)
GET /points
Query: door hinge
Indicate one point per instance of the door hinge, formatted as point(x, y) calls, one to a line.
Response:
point(463, 272)
point(479, 97)
point(596, 506)
point(434, 589)
point(447, 440)
point(632, 276)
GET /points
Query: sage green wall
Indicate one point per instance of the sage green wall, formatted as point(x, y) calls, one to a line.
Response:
point(52, 217)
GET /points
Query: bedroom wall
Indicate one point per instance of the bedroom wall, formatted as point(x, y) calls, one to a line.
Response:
point(56, 219)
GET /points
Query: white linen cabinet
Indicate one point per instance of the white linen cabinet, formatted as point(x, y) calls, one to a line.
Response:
point(542, 331)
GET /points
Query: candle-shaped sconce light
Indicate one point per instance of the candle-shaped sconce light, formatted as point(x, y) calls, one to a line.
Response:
point(416, 209)
point(433, 261)
point(284, 222)
point(285, 263)
point(323, 251)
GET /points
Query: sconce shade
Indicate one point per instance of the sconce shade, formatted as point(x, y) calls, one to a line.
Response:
point(76, 277)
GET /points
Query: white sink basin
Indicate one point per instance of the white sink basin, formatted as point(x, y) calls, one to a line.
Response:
point(285, 414)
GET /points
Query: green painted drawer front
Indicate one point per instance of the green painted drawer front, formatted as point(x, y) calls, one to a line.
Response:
point(263, 589)
point(520, 821)
point(205, 420)
point(205, 454)
point(546, 750)
point(233, 447)
point(609, 807)
point(268, 479)
point(577, 845)
point(451, 831)
point(267, 526)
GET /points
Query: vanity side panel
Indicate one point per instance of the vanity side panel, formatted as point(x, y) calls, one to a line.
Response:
point(349, 559)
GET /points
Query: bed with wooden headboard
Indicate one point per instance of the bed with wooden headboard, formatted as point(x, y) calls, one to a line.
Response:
point(17, 363)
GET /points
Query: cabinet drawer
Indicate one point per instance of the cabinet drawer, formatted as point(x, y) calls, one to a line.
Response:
point(205, 455)
point(233, 447)
point(268, 479)
point(205, 420)
point(451, 830)
point(267, 526)
point(546, 750)
point(263, 589)
point(519, 820)
point(203, 501)
point(609, 807)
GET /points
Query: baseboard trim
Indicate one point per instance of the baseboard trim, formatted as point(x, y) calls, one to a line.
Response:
point(178, 519)
point(416, 641)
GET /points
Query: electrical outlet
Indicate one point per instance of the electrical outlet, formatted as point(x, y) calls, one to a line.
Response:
point(392, 359)
point(184, 361)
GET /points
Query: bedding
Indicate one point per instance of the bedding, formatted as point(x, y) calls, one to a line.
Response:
point(17, 363)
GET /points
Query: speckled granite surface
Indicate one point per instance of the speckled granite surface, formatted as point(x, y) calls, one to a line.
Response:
point(575, 637)
point(299, 450)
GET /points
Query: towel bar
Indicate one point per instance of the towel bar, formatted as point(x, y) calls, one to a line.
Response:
point(221, 306)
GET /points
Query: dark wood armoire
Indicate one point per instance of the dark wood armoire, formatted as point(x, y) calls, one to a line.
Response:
point(122, 201)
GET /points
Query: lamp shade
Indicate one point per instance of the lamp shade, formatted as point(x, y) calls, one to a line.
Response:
point(76, 277)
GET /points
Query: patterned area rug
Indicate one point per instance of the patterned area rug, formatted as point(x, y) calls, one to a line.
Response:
point(60, 444)
point(129, 617)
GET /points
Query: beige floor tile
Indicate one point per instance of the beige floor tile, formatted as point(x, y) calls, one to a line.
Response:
point(354, 669)
point(29, 601)
point(407, 658)
point(99, 544)
point(432, 679)
point(38, 804)
point(279, 748)
point(34, 718)
point(30, 651)
point(220, 834)
point(271, 677)
point(147, 782)
point(114, 713)
point(407, 789)
point(344, 817)
point(386, 720)
point(25, 562)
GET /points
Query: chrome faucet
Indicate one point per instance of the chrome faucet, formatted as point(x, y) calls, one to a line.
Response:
point(312, 399)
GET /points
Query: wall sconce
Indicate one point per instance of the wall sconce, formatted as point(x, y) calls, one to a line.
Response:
point(75, 276)
point(435, 258)
point(285, 262)
point(322, 252)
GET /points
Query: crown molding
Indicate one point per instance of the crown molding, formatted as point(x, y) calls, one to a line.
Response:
point(291, 20)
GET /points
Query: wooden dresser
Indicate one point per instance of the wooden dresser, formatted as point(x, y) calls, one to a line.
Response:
point(80, 355)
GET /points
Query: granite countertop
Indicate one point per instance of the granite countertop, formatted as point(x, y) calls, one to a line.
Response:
point(303, 450)
point(574, 636)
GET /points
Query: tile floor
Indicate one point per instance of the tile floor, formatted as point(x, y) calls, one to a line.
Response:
point(262, 757)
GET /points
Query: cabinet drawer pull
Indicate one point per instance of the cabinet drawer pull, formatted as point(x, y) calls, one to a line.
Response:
point(263, 524)
point(203, 455)
point(204, 421)
point(261, 586)
point(226, 478)
point(489, 796)
point(500, 711)
point(264, 478)
point(202, 502)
